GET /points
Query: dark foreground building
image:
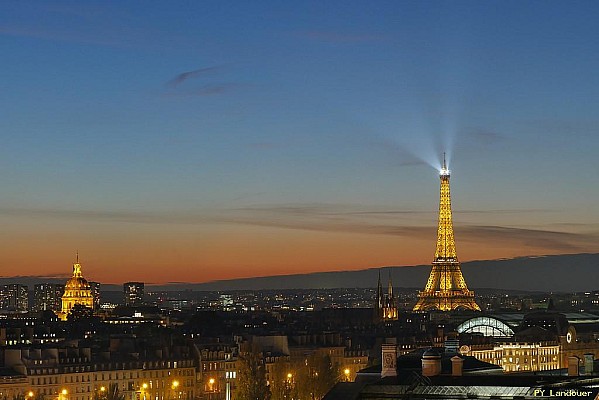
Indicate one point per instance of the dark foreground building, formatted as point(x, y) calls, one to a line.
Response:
point(439, 374)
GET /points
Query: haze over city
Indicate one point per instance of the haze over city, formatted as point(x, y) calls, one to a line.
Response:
point(224, 140)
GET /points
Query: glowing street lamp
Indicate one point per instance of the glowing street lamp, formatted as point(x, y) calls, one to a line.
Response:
point(142, 390)
point(346, 373)
point(175, 386)
point(30, 394)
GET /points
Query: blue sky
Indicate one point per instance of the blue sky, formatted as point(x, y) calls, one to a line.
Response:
point(205, 134)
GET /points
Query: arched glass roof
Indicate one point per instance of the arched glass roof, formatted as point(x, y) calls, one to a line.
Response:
point(488, 326)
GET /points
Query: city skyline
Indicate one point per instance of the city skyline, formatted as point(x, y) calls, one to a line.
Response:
point(220, 141)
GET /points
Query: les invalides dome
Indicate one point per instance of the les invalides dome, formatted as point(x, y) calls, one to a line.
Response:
point(76, 291)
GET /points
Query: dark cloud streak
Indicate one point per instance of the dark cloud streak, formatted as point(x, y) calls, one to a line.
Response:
point(184, 76)
point(335, 218)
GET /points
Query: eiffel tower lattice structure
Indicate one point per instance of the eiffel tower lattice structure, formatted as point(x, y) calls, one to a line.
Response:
point(446, 288)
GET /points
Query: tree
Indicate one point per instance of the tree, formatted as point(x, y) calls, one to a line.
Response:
point(314, 377)
point(112, 393)
point(251, 383)
point(280, 383)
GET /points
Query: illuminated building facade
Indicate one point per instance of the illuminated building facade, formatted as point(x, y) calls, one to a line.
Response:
point(134, 293)
point(77, 373)
point(386, 305)
point(446, 288)
point(14, 297)
point(544, 340)
point(518, 357)
point(76, 291)
point(95, 289)
point(47, 296)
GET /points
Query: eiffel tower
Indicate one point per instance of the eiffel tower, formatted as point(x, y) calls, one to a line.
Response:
point(446, 288)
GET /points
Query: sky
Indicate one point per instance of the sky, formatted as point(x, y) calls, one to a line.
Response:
point(196, 141)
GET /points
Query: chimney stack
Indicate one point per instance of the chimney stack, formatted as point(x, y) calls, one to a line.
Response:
point(431, 363)
point(457, 366)
point(573, 366)
point(389, 357)
point(589, 359)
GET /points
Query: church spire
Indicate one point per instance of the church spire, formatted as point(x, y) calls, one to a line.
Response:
point(379, 293)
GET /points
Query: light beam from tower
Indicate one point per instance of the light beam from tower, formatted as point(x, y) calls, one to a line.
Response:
point(446, 288)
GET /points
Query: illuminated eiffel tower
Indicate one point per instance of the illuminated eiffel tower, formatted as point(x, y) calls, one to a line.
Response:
point(446, 288)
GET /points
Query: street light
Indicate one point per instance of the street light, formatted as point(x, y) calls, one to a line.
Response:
point(289, 385)
point(30, 394)
point(175, 385)
point(142, 391)
point(211, 389)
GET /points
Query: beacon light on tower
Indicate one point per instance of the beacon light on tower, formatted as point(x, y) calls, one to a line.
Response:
point(446, 288)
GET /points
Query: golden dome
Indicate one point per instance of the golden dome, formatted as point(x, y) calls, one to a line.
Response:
point(77, 281)
point(76, 291)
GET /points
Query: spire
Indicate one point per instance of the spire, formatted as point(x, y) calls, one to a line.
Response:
point(390, 288)
point(77, 267)
point(379, 292)
point(445, 241)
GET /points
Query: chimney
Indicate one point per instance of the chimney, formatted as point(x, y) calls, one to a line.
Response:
point(389, 357)
point(573, 366)
point(431, 363)
point(589, 359)
point(457, 366)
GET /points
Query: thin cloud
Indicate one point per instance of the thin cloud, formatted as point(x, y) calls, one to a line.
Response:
point(40, 33)
point(338, 218)
point(338, 37)
point(181, 85)
point(206, 90)
point(182, 77)
point(329, 218)
point(536, 238)
point(486, 137)
point(107, 216)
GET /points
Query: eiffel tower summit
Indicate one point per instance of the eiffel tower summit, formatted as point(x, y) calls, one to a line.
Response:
point(446, 288)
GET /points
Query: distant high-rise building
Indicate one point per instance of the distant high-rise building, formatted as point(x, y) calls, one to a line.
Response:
point(14, 297)
point(134, 293)
point(446, 288)
point(76, 291)
point(47, 296)
point(95, 288)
